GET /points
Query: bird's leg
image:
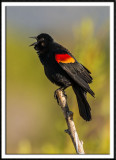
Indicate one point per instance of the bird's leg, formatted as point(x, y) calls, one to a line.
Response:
point(61, 88)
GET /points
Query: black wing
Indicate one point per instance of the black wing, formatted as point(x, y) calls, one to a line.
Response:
point(77, 72)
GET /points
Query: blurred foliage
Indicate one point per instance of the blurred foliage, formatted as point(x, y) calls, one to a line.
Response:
point(35, 123)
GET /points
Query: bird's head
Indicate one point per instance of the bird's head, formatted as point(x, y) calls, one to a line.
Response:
point(43, 42)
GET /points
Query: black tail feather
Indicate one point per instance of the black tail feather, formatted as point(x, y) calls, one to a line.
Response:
point(84, 107)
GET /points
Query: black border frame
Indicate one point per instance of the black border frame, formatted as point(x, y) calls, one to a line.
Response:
point(114, 1)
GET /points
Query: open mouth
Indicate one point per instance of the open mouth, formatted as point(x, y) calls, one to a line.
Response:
point(33, 44)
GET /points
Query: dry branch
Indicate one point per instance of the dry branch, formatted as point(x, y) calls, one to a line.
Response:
point(62, 101)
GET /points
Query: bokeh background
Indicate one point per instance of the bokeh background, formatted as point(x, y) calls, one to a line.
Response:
point(35, 122)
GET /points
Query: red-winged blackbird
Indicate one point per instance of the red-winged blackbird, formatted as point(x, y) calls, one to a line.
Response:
point(63, 69)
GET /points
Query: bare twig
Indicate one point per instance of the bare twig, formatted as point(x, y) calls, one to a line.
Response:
point(62, 101)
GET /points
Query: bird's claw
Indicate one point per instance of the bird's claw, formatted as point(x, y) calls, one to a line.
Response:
point(55, 93)
point(62, 89)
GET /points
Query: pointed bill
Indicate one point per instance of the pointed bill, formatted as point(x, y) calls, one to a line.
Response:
point(34, 37)
point(33, 44)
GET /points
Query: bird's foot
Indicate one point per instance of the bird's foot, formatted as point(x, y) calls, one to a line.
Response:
point(55, 93)
point(61, 89)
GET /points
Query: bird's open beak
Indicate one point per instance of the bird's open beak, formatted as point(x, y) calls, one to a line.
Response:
point(33, 37)
point(33, 44)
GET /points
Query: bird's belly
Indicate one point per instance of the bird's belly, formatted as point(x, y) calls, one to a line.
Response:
point(56, 76)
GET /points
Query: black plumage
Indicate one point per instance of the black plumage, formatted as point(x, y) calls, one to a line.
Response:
point(64, 70)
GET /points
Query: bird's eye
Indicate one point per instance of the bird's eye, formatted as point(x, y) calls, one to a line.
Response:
point(42, 44)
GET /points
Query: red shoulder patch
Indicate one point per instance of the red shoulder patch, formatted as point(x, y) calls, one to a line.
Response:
point(64, 58)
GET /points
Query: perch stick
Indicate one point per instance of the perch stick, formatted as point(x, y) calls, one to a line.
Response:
point(62, 101)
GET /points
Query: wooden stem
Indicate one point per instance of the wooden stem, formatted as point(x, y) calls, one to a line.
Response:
point(62, 101)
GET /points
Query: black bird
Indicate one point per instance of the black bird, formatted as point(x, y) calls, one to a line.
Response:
point(64, 70)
